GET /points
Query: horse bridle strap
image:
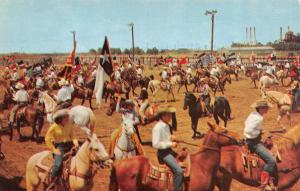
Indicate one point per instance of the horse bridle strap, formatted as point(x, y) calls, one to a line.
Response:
point(125, 150)
point(211, 148)
point(80, 175)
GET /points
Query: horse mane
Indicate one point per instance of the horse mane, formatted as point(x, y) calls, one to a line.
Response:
point(290, 138)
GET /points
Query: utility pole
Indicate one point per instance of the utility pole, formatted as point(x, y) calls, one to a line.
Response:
point(212, 13)
point(132, 39)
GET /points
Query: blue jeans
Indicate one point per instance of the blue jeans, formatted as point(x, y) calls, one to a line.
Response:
point(58, 159)
point(167, 156)
point(258, 148)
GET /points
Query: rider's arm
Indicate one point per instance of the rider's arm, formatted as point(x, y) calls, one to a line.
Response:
point(49, 138)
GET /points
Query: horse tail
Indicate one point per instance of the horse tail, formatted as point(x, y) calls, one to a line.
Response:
point(113, 185)
point(227, 109)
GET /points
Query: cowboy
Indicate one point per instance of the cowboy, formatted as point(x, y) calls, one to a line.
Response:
point(94, 73)
point(163, 141)
point(21, 98)
point(128, 111)
point(60, 139)
point(189, 73)
point(64, 94)
point(206, 96)
point(16, 76)
point(214, 73)
point(39, 84)
point(139, 72)
point(144, 105)
point(270, 71)
point(253, 132)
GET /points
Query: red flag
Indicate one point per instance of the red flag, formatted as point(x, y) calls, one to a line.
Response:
point(183, 60)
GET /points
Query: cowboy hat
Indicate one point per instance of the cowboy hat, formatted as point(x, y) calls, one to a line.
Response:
point(166, 109)
point(63, 82)
point(19, 86)
point(60, 113)
point(261, 104)
point(128, 102)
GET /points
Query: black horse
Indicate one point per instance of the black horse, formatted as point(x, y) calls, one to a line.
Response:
point(221, 108)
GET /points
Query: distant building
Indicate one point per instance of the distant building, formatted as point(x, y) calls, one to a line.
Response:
point(258, 50)
point(290, 37)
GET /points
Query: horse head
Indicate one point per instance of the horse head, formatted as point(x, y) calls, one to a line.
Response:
point(97, 153)
point(189, 99)
point(128, 127)
point(223, 136)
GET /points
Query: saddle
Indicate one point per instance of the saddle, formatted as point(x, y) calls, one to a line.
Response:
point(43, 167)
point(162, 176)
point(252, 163)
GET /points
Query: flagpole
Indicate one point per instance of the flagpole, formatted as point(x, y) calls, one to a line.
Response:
point(212, 13)
point(132, 39)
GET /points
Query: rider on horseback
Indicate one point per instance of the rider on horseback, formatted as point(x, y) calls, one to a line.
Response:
point(64, 95)
point(60, 139)
point(253, 132)
point(295, 91)
point(39, 84)
point(163, 141)
point(21, 98)
point(165, 77)
point(143, 105)
point(206, 96)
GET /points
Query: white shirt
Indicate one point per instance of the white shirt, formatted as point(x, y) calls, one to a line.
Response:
point(214, 72)
point(287, 65)
point(21, 96)
point(139, 71)
point(269, 70)
point(253, 125)
point(259, 66)
point(52, 75)
point(64, 93)
point(189, 71)
point(39, 82)
point(164, 74)
point(161, 136)
point(80, 80)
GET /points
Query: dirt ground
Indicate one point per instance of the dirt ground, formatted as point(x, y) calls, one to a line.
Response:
point(240, 94)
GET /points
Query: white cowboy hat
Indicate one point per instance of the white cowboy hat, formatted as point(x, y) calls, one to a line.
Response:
point(63, 82)
point(60, 113)
point(19, 86)
point(261, 104)
point(166, 109)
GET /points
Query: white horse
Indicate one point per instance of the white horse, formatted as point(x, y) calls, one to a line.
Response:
point(267, 82)
point(80, 171)
point(50, 104)
point(155, 86)
point(175, 80)
point(124, 147)
point(283, 102)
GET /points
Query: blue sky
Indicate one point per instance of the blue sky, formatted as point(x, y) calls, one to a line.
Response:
point(44, 25)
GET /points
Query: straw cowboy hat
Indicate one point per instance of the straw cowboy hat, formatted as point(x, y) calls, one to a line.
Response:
point(19, 86)
point(60, 113)
point(166, 109)
point(63, 82)
point(261, 104)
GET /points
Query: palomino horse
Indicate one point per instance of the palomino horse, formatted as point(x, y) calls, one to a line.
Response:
point(281, 75)
point(221, 108)
point(156, 85)
point(283, 102)
point(124, 146)
point(266, 82)
point(232, 167)
point(80, 171)
point(129, 174)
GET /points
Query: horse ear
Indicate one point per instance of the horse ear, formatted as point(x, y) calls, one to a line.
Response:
point(211, 125)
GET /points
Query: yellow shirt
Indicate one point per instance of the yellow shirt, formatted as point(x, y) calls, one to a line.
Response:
point(58, 134)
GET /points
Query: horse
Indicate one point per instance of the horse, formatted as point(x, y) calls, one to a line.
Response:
point(81, 93)
point(232, 167)
point(80, 171)
point(221, 108)
point(267, 82)
point(29, 114)
point(124, 146)
point(223, 79)
point(283, 102)
point(156, 85)
point(129, 174)
point(281, 75)
point(49, 104)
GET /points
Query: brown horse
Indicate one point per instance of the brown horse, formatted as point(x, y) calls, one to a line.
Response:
point(223, 79)
point(128, 174)
point(30, 115)
point(85, 93)
point(232, 167)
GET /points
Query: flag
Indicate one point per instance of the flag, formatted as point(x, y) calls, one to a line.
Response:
point(66, 72)
point(105, 60)
point(183, 60)
point(104, 66)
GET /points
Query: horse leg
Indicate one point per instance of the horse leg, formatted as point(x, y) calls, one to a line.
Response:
point(138, 133)
point(83, 100)
point(223, 180)
point(186, 88)
point(19, 129)
point(179, 87)
point(215, 114)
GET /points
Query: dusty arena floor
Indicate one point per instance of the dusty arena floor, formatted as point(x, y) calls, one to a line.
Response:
point(239, 93)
